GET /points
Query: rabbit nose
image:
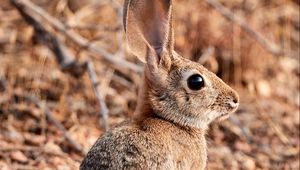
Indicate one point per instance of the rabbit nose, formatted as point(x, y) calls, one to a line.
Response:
point(234, 105)
point(234, 99)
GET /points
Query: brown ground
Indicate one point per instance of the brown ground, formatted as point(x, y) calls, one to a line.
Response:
point(263, 134)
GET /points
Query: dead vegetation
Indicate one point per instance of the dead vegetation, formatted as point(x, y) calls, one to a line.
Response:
point(50, 105)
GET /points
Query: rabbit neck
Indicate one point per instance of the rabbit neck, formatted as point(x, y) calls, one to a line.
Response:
point(143, 109)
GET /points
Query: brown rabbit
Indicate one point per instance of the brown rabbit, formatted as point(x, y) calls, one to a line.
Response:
point(177, 101)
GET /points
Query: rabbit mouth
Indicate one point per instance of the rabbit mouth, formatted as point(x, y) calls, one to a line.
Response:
point(231, 107)
point(222, 117)
point(225, 115)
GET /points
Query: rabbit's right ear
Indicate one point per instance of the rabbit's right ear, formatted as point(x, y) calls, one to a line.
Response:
point(149, 30)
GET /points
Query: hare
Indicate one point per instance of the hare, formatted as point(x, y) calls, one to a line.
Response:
point(177, 101)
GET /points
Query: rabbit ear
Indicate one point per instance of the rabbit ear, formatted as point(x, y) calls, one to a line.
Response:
point(148, 27)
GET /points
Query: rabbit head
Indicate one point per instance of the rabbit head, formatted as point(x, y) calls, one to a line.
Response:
point(177, 89)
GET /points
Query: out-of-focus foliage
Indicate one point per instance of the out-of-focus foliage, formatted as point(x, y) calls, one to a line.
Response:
point(263, 134)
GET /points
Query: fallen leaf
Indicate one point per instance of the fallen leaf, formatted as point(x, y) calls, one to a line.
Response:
point(18, 156)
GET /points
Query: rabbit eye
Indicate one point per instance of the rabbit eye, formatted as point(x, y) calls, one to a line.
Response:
point(195, 82)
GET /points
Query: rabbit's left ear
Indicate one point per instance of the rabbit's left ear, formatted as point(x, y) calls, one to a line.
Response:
point(148, 26)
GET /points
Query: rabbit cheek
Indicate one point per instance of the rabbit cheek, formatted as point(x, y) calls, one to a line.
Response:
point(181, 99)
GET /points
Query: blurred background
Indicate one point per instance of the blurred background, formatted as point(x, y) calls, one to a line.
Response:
point(64, 64)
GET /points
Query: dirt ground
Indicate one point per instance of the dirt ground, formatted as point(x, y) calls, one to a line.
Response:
point(49, 116)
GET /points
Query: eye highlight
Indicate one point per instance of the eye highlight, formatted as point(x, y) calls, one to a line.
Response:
point(195, 82)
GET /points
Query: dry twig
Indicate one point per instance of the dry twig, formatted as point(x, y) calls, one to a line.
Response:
point(102, 104)
point(206, 55)
point(275, 127)
point(65, 58)
point(50, 117)
point(116, 62)
point(268, 45)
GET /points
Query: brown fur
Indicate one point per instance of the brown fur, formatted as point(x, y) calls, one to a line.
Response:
point(150, 144)
point(168, 127)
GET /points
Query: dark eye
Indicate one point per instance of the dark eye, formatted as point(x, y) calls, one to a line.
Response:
point(195, 82)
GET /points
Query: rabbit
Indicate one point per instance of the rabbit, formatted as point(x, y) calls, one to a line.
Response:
point(177, 101)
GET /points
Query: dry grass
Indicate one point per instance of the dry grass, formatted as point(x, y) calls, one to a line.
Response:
point(263, 134)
